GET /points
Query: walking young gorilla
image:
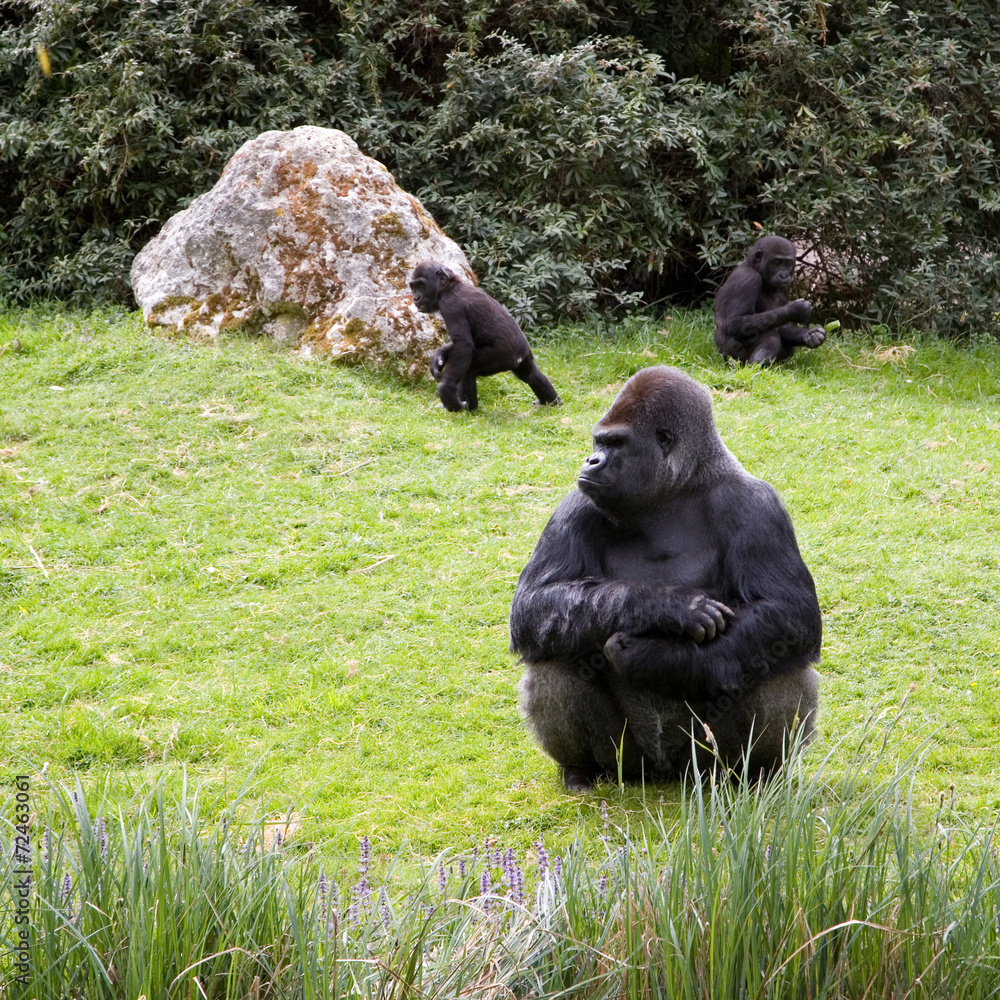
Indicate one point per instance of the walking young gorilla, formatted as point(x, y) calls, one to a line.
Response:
point(754, 321)
point(485, 338)
point(666, 591)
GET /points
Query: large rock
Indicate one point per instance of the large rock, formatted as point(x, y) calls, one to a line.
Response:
point(304, 239)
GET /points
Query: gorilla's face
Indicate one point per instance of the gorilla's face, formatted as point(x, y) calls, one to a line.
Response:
point(426, 284)
point(629, 468)
point(653, 441)
point(774, 260)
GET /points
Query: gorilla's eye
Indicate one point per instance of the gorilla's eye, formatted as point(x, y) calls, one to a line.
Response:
point(664, 437)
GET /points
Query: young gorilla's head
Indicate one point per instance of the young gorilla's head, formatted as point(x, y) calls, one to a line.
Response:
point(427, 283)
point(657, 440)
point(773, 258)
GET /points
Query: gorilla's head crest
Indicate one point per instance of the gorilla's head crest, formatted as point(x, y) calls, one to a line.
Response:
point(663, 397)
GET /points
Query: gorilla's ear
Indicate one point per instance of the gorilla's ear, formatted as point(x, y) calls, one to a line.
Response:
point(444, 274)
point(757, 256)
point(665, 438)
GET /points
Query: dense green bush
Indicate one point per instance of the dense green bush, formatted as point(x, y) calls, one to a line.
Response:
point(558, 171)
point(871, 137)
point(584, 153)
point(146, 103)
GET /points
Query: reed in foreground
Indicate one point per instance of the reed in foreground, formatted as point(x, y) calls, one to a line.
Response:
point(808, 886)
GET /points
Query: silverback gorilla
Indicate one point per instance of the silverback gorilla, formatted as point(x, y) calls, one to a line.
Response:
point(485, 338)
point(665, 592)
point(754, 321)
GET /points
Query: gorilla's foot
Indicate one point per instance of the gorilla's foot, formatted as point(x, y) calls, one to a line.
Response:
point(578, 779)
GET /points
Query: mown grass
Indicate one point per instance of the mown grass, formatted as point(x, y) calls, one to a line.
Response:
point(238, 564)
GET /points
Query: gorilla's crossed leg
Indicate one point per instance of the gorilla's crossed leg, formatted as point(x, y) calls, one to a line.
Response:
point(595, 726)
point(591, 730)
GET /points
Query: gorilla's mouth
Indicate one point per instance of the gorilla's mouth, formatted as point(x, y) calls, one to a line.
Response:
point(589, 486)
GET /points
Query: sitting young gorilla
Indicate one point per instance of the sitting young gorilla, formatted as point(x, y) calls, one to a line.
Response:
point(754, 321)
point(666, 591)
point(485, 338)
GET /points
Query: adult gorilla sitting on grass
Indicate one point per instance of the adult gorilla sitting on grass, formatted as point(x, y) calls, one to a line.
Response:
point(666, 597)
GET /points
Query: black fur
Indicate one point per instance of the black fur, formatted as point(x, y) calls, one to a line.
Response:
point(666, 591)
point(754, 321)
point(485, 338)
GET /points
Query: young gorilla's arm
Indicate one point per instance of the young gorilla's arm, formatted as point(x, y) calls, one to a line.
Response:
point(738, 302)
point(459, 358)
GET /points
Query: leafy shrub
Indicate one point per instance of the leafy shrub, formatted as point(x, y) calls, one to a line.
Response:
point(585, 154)
point(869, 136)
point(146, 103)
point(547, 143)
point(557, 167)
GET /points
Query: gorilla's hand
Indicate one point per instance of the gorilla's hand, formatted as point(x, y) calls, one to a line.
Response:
point(438, 360)
point(622, 649)
point(625, 651)
point(800, 310)
point(450, 399)
point(813, 337)
point(704, 618)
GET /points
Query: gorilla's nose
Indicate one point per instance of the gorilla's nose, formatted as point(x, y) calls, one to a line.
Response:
point(596, 461)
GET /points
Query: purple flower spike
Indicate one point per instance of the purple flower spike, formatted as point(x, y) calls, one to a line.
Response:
point(485, 887)
point(543, 860)
point(322, 889)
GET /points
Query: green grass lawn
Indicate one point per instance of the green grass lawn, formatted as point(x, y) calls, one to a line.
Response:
point(245, 565)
